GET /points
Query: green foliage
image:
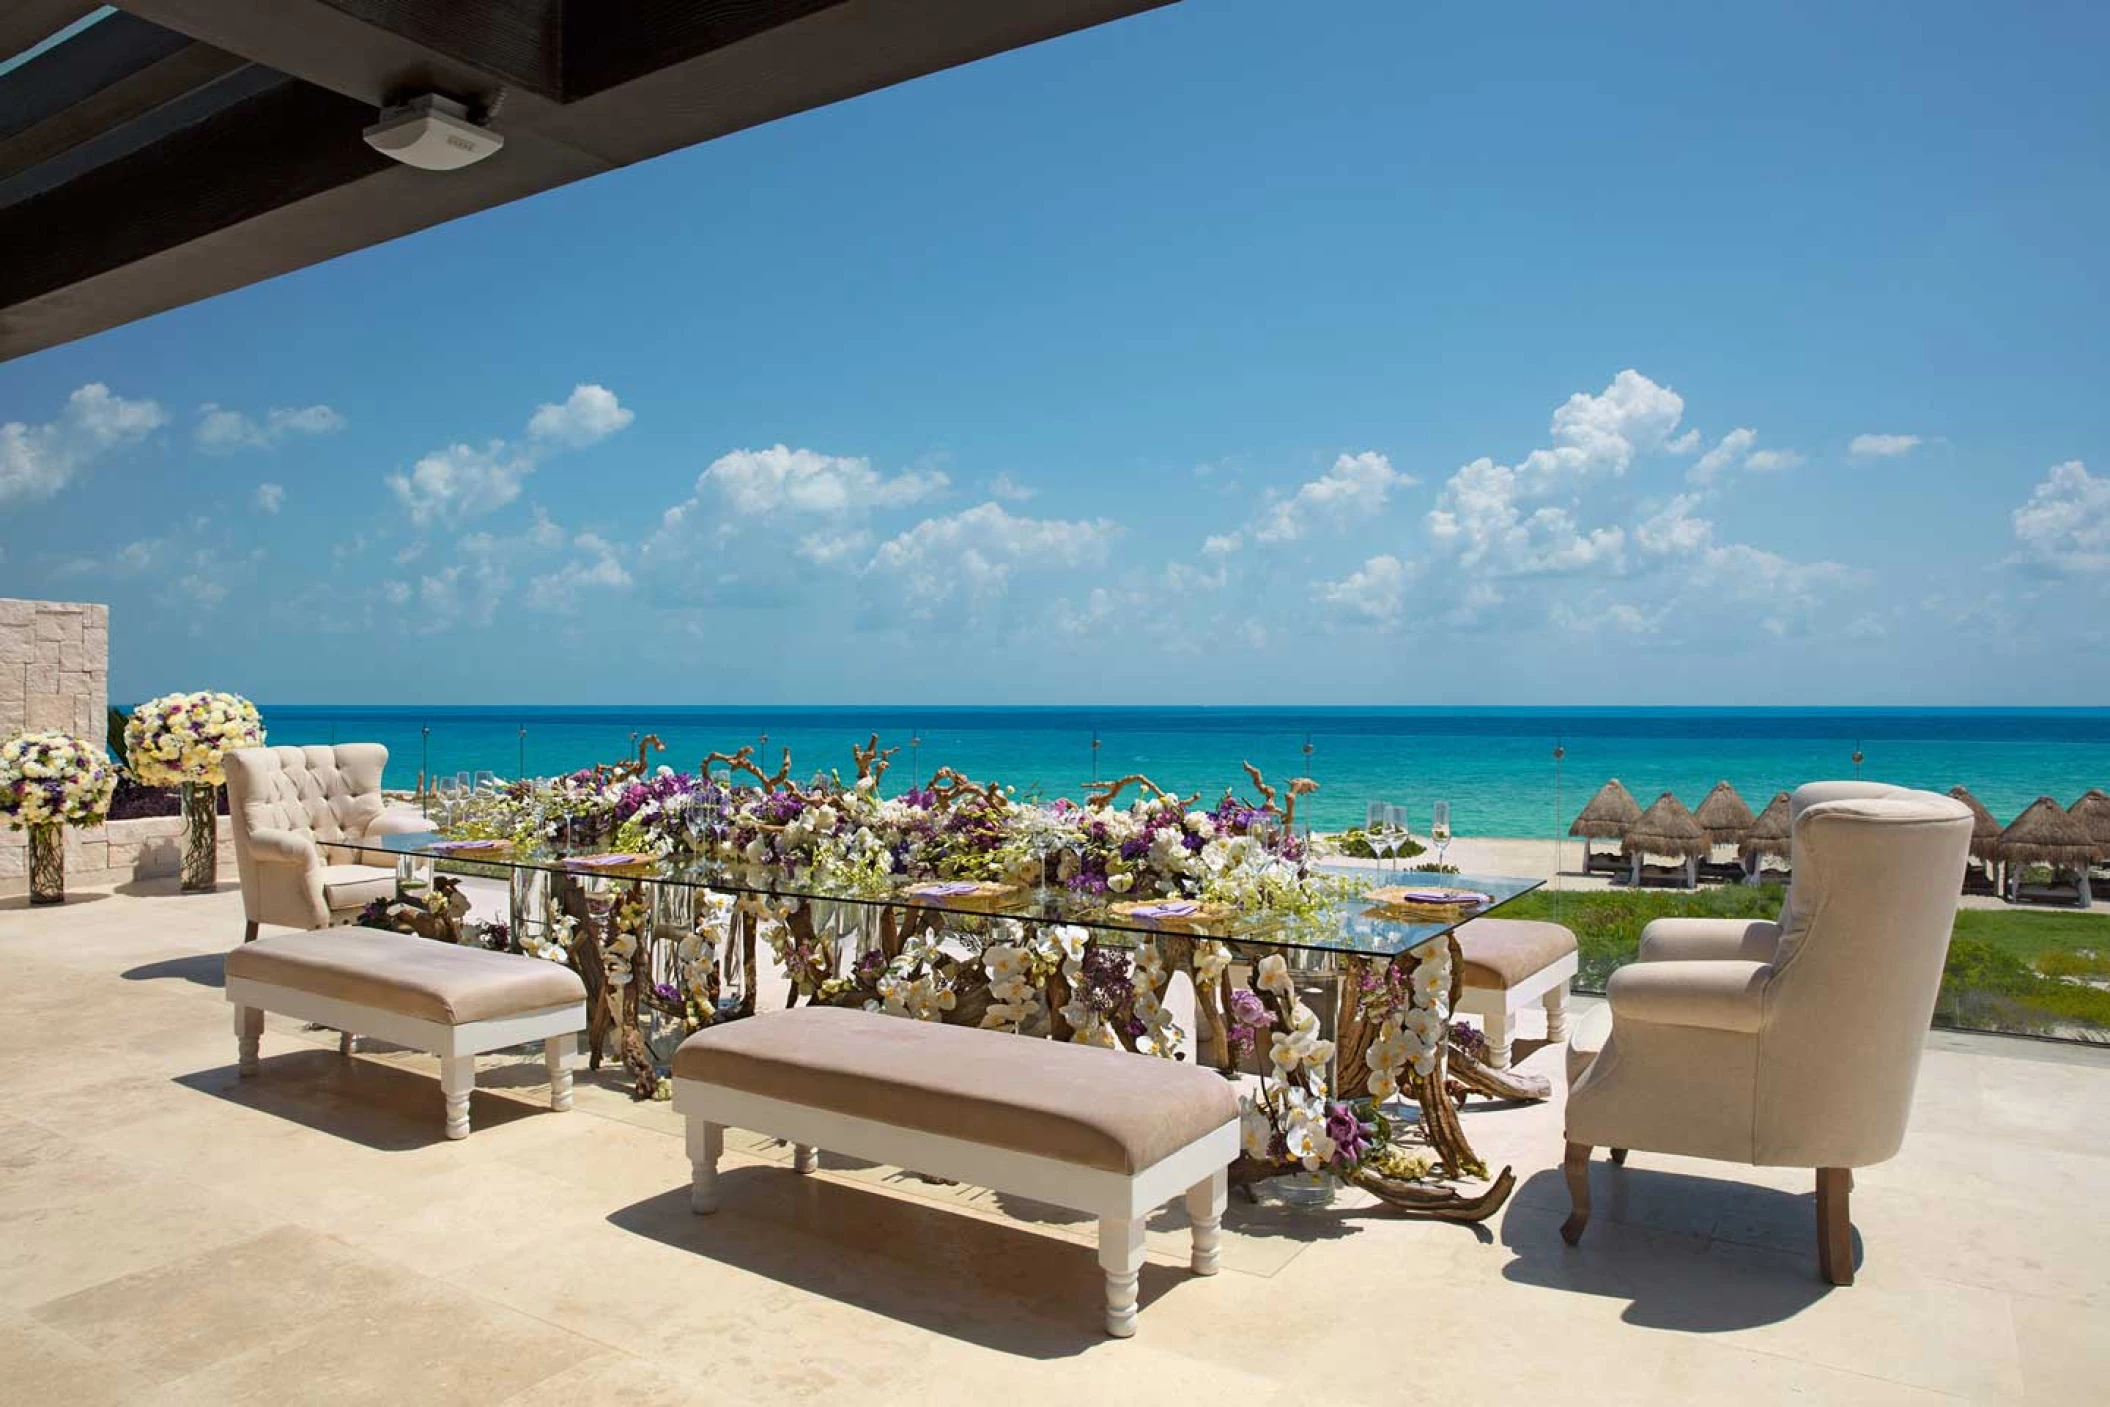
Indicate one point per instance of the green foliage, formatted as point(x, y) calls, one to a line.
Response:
point(1607, 923)
point(1356, 842)
point(2075, 962)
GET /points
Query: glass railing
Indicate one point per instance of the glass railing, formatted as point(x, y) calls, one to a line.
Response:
point(2040, 966)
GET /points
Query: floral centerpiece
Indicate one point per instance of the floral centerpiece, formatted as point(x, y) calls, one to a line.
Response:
point(178, 740)
point(49, 780)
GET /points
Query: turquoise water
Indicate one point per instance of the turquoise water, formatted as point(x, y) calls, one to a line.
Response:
point(1493, 765)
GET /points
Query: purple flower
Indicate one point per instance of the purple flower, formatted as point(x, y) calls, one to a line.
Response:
point(1346, 1131)
point(1248, 1010)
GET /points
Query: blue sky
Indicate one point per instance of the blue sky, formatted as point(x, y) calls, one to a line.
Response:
point(1236, 352)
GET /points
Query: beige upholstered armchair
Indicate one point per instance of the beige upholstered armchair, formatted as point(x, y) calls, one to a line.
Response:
point(1789, 1044)
point(287, 805)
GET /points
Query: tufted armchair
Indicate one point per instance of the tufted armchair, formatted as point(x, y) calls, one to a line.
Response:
point(287, 805)
point(1788, 1044)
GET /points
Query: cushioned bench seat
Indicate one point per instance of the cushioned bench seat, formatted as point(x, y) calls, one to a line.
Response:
point(1100, 1131)
point(1510, 963)
point(452, 1001)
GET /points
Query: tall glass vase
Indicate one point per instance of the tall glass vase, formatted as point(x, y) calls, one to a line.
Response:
point(201, 837)
point(47, 865)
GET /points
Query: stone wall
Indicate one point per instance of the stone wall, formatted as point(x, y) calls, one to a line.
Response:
point(55, 675)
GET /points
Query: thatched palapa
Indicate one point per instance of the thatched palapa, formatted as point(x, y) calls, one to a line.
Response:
point(1608, 815)
point(2045, 835)
point(1985, 831)
point(1667, 828)
point(1724, 816)
point(2093, 812)
point(1769, 832)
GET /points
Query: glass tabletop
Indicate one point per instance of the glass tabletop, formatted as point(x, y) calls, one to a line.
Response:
point(1379, 917)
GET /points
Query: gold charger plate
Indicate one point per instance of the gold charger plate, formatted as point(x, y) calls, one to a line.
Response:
point(1203, 916)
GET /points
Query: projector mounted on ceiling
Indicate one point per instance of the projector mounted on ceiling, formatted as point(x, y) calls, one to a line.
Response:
point(433, 133)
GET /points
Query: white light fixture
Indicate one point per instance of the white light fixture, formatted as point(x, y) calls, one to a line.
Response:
point(432, 133)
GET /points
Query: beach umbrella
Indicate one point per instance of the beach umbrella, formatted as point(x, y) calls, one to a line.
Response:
point(2093, 812)
point(1608, 813)
point(1666, 828)
point(1724, 816)
point(1768, 834)
point(2045, 835)
point(1985, 831)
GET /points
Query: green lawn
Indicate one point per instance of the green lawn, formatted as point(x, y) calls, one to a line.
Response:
point(2008, 969)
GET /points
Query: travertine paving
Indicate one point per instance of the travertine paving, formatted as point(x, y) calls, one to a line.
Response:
point(171, 1234)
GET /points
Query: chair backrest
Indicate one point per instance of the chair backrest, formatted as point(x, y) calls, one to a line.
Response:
point(324, 793)
point(1857, 972)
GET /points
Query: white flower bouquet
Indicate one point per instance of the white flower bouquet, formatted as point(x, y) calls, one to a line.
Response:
point(180, 738)
point(51, 779)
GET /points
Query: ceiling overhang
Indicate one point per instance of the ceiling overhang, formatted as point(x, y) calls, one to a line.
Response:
point(182, 148)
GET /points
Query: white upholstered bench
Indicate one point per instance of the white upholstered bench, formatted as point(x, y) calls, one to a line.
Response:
point(1509, 964)
point(1097, 1131)
point(451, 1001)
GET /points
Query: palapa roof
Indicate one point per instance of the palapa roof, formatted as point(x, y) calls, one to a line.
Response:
point(2045, 835)
point(1769, 832)
point(1985, 830)
point(1666, 828)
point(1608, 813)
point(1724, 816)
point(2093, 812)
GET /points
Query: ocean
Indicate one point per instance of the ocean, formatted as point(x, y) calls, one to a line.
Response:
point(1495, 766)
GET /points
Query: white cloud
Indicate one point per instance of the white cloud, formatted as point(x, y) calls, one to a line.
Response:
point(36, 461)
point(784, 480)
point(598, 567)
point(973, 553)
point(831, 549)
point(1727, 451)
point(460, 482)
point(1882, 446)
point(1355, 486)
point(1771, 461)
point(270, 498)
point(1375, 592)
point(2064, 526)
point(587, 416)
point(1223, 544)
point(222, 431)
point(1009, 490)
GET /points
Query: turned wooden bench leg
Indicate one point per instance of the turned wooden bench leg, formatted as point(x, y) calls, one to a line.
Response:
point(1121, 1257)
point(706, 1145)
point(344, 1042)
point(1619, 1156)
point(1205, 1208)
point(1556, 1003)
point(556, 1054)
point(805, 1158)
point(1500, 1022)
point(457, 1079)
point(248, 1032)
point(1576, 1167)
point(1835, 1227)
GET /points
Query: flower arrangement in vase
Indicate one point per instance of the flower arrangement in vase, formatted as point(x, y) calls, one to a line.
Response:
point(48, 780)
point(178, 740)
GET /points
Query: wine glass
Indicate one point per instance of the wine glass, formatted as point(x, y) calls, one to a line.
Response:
point(1440, 829)
point(486, 781)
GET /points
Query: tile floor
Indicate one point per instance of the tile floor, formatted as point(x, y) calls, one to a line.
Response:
point(169, 1233)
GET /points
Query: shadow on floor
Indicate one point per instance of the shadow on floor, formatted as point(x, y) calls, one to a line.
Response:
point(1696, 1283)
point(17, 903)
point(370, 1102)
point(1001, 1287)
point(170, 886)
point(201, 969)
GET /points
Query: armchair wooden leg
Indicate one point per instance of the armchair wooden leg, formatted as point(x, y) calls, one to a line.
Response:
point(249, 931)
point(1835, 1227)
point(1576, 1166)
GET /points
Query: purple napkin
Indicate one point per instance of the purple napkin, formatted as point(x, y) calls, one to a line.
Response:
point(598, 862)
point(1171, 908)
point(945, 889)
point(450, 846)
